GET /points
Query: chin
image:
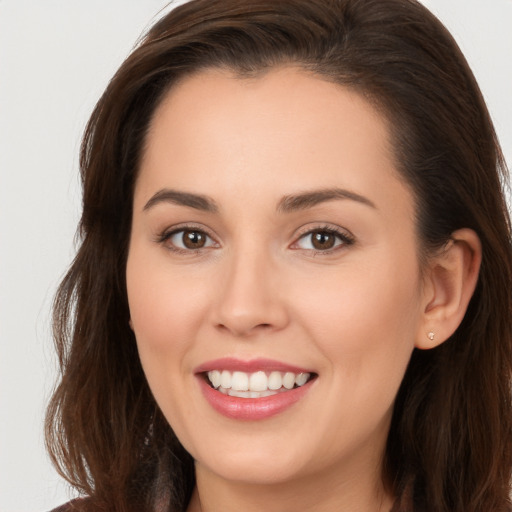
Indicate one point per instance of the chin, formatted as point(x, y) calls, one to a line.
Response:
point(255, 466)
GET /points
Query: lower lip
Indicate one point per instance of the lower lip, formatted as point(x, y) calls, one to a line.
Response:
point(251, 409)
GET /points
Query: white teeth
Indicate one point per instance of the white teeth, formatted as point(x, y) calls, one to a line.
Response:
point(301, 379)
point(214, 377)
point(289, 380)
point(225, 379)
point(240, 381)
point(258, 383)
point(275, 381)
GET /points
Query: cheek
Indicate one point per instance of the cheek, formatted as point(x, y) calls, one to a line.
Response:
point(165, 309)
point(365, 320)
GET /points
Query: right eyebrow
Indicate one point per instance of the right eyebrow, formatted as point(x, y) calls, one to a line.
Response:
point(196, 201)
point(311, 198)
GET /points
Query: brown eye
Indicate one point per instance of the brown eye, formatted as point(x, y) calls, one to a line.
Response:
point(193, 239)
point(322, 240)
point(187, 240)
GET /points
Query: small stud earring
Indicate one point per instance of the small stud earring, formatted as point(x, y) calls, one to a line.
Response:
point(431, 335)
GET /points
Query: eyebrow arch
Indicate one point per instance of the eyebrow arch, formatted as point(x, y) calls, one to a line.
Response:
point(196, 201)
point(311, 198)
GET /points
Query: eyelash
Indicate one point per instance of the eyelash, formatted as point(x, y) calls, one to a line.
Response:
point(346, 239)
point(343, 237)
point(166, 235)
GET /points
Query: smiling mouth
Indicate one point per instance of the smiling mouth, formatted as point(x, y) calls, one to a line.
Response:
point(257, 384)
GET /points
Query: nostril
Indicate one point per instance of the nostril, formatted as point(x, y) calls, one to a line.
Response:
point(241, 328)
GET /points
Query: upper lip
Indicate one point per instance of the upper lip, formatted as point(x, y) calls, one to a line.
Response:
point(250, 366)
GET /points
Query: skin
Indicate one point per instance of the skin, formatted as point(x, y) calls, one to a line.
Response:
point(259, 288)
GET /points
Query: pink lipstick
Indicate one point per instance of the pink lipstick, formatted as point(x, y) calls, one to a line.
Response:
point(252, 390)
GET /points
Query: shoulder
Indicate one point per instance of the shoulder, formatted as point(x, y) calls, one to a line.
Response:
point(67, 507)
point(78, 505)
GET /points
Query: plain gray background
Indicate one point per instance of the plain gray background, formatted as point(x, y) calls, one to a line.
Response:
point(56, 58)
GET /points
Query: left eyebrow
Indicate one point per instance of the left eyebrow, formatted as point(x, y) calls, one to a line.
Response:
point(196, 201)
point(312, 198)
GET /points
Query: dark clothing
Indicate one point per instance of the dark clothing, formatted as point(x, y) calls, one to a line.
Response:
point(78, 505)
point(68, 507)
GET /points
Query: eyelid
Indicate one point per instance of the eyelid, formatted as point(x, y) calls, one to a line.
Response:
point(346, 237)
point(166, 234)
point(342, 234)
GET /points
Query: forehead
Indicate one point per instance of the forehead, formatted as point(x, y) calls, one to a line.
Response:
point(285, 129)
point(285, 97)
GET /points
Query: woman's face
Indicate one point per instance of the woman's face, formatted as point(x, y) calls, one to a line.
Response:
point(273, 245)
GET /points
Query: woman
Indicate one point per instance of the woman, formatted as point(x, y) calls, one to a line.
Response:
point(293, 286)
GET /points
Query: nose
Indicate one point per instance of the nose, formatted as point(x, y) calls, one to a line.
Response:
point(251, 298)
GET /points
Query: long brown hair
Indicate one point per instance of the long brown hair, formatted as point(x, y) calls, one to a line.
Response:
point(449, 447)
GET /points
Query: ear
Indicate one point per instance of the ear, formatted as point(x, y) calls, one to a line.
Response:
point(450, 281)
point(130, 323)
